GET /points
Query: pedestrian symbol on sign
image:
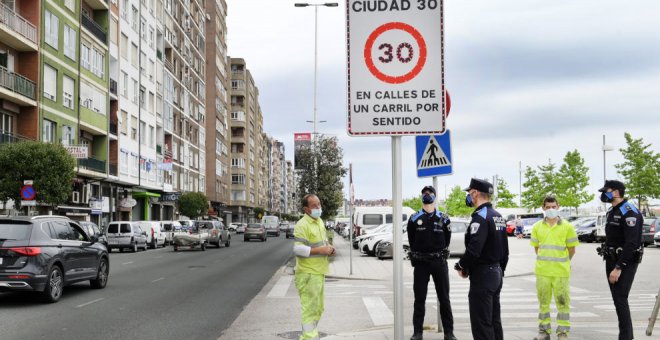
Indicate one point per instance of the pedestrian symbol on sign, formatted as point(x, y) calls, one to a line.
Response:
point(433, 156)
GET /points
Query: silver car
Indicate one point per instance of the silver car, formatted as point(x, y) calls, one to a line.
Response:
point(218, 232)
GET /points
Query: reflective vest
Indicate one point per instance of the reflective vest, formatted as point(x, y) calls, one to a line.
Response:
point(311, 233)
point(553, 242)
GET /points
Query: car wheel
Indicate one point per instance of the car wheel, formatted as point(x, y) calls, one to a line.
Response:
point(109, 250)
point(121, 250)
point(203, 246)
point(228, 242)
point(154, 244)
point(102, 276)
point(245, 239)
point(135, 247)
point(176, 248)
point(54, 285)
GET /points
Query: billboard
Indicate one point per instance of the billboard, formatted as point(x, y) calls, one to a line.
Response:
point(301, 141)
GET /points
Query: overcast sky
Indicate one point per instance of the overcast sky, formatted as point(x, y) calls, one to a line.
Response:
point(529, 81)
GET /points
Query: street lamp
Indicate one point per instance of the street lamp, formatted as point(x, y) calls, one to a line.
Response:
point(605, 149)
point(316, 15)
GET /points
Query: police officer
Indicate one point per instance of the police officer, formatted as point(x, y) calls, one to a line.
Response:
point(484, 262)
point(623, 236)
point(429, 234)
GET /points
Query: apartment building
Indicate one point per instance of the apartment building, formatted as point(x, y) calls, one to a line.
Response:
point(218, 161)
point(277, 176)
point(292, 205)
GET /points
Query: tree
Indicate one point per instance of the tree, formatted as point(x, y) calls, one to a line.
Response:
point(193, 204)
point(640, 169)
point(259, 213)
point(49, 166)
point(322, 173)
point(531, 197)
point(505, 198)
point(548, 177)
point(414, 203)
point(572, 179)
point(456, 203)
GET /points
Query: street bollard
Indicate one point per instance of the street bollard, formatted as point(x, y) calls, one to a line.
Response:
point(654, 315)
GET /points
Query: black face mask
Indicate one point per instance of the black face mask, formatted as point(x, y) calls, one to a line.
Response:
point(428, 198)
point(606, 197)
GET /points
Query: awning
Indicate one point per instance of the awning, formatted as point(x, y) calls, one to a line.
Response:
point(143, 194)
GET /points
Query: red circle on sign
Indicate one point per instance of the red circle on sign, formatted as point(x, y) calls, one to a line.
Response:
point(395, 26)
point(448, 103)
point(28, 193)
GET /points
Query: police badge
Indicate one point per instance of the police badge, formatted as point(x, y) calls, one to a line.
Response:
point(419, 222)
point(631, 221)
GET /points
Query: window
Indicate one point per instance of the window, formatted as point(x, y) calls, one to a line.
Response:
point(123, 46)
point(372, 219)
point(151, 136)
point(67, 135)
point(136, 20)
point(134, 125)
point(70, 42)
point(84, 56)
point(124, 123)
point(134, 55)
point(143, 132)
point(61, 231)
point(50, 82)
point(136, 89)
point(70, 4)
point(48, 131)
point(67, 91)
point(52, 29)
point(124, 90)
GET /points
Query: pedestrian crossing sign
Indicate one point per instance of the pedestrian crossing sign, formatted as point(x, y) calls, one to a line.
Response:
point(434, 155)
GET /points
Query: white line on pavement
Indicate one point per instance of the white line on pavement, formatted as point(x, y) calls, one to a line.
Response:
point(281, 287)
point(378, 311)
point(158, 279)
point(521, 316)
point(129, 262)
point(89, 303)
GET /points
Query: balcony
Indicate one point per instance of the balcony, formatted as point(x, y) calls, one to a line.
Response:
point(113, 128)
point(113, 86)
point(16, 88)
point(92, 164)
point(168, 65)
point(159, 54)
point(15, 31)
point(10, 138)
point(159, 149)
point(98, 4)
point(94, 28)
point(113, 169)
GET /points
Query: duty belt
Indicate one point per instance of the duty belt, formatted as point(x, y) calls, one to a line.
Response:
point(428, 257)
point(610, 253)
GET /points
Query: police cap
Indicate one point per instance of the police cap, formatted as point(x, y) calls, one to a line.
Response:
point(428, 188)
point(614, 185)
point(480, 185)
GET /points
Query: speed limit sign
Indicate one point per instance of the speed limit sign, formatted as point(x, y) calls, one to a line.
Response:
point(395, 67)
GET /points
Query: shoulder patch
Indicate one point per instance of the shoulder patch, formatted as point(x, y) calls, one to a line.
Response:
point(627, 207)
point(417, 215)
point(483, 212)
point(631, 221)
point(474, 228)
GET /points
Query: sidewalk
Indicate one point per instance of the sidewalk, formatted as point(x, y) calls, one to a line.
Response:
point(353, 302)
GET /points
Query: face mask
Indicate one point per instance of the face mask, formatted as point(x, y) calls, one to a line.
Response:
point(316, 213)
point(468, 200)
point(606, 197)
point(428, 198)
point(552, 213)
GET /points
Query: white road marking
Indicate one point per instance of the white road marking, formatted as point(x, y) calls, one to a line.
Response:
point(281, 287)
point(378, 311)
point(504, 307)
point(89, 303)
point(528, 315)
point(158, 279)
point(129, 262)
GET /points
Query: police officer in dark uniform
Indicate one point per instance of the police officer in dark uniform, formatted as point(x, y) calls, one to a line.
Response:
point(622, 250)
point(484, 262)
point(429, 234)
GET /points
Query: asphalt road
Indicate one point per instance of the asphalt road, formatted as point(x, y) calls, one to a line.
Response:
point(157, 294)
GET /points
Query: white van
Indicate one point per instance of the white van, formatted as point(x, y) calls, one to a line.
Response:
point(371, 217)
point(170, 227)
point(155, 233)
point(272, 224)
point(601, 221)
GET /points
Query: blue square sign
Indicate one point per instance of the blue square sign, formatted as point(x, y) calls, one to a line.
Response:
point(434, 155)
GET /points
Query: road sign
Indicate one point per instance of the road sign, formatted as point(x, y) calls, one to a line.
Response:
point(434, 155)
point(28, 193)
point(395, 67)
point(28, 203)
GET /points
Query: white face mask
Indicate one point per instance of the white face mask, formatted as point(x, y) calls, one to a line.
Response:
point(552, 213)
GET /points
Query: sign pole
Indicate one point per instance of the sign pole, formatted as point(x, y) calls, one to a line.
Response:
point(397, 202)
point(435, 186)
point(350, 215)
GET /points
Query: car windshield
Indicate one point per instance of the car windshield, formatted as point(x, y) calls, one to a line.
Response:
point(530, 221)
point(254, 226)
point(14, 231)
point(205, 225)
point(458, 227)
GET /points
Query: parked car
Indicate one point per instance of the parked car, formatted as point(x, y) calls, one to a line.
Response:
point(170, 228)
point(46, 253)
point(651, 225)
point(289, 230)
point(457, 244)
point(93, 230)
point(656, 239)
point(284, 226)
point(255, 230)
point(586, 230)
point(218, 233)
point(528, 224)
point(194, 236)
point(233, 226)
point(241, 228)
point(155, 233)
point(126, 234)
point(369, 232)
point(272, 225)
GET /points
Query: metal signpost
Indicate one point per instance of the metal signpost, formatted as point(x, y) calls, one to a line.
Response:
point(396, 87)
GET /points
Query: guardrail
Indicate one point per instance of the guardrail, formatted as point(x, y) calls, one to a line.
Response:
point(92, 164)
point(94, 28)
point(17, 83)
point(16, 22)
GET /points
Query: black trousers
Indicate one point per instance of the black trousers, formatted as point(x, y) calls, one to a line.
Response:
point(438, 270)
point(484, 301)
point(620, 291)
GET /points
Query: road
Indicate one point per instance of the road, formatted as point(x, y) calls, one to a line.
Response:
point(157, 294)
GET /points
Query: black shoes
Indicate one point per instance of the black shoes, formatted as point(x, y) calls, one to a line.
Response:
point(450, 336)
point(417, 336)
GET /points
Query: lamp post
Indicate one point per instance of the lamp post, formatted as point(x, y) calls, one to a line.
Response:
point(316, 15)
point(605, 149)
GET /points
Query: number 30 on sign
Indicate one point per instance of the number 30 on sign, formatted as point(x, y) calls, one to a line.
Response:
point(395, 67)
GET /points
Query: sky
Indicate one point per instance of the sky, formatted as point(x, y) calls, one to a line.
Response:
point(529, 81)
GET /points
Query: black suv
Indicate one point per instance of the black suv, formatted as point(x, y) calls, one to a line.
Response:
point(46, 253)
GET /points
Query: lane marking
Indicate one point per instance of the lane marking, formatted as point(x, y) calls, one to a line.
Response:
point(378, 311)
point(89, 303)
point(158, 279)
point(528, 315)
point(129, 262)
point(281, 287)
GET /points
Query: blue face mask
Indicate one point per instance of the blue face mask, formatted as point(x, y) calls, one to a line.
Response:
point(468, 200)
point(428, 198)
point(316, 213)
point(606, 197)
